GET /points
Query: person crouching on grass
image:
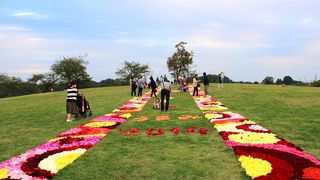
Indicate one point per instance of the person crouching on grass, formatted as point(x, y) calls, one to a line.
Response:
point(71, 105)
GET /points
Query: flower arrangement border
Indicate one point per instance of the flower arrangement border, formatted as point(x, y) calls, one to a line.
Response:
point(45, 160)
point(262, 154)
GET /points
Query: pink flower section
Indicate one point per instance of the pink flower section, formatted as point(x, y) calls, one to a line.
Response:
point(108, 118)
point(71, 131)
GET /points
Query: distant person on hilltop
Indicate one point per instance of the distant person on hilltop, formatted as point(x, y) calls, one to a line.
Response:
point(195, 83)
point(71, 106)
point(220, 80)
point(165, 93)
point(205, 84)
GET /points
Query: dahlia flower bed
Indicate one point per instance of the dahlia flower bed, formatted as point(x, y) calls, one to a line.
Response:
point(44, 161)
point(262, 154)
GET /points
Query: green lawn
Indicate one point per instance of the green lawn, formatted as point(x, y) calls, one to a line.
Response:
point(290, 112)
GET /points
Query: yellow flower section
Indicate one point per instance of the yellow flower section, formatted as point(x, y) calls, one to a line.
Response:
point(125, 116)
point(232, 126)
point(100, 124)
point(58, 161)
point(215, 108)
point(254, 138)
point(213, 116)
point(255, 167)
point(3, 173)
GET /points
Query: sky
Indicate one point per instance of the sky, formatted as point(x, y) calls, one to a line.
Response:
point(246, 39)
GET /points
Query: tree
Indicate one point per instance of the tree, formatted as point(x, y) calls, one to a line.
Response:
point(70, 69)
point(13, 86)
point(268, 80)
point(287, 80)
point(180, 62)
point(279, 81)
point(132, 69)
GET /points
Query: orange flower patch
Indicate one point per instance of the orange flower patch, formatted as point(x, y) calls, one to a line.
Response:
point(162, 118)
point(141, 119)
point(186, 117)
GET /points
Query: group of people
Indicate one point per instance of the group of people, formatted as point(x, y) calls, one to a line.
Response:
point(140, 83)
point(196, 83)
point(137, 83)
point(163, 82)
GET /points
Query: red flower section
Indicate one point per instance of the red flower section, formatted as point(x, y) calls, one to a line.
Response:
point(284, 165)
point(246, 127)
point(226, 121)
point(129, 132)
point(191, 129)
point(203, 131)
point(88, 131)
point(69, 140)
point(30, 167)
point(175, 131)
point(155, 131)
point(311, 173)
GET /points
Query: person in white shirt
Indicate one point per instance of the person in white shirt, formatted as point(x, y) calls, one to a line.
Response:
point(165, 93)
point(71, 106)
point(195, 83)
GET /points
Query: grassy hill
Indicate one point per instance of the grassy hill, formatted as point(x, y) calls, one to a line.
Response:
point(290, 112)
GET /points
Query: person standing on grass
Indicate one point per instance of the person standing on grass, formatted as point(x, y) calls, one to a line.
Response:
point(140, 86)
point(165, 93)
point(195, 83)
point(220, 79)
point(205, 84)
point(133, 85)
point(71, 106)
point(153, 87)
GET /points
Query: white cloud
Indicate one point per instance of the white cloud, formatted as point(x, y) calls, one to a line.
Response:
point(30, 71)
point(29, 14)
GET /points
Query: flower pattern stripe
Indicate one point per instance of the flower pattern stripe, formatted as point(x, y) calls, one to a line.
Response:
point(261, 153)
point(44, 161)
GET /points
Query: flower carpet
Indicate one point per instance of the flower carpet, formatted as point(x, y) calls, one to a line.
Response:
point(262, 154)
point(44, 161)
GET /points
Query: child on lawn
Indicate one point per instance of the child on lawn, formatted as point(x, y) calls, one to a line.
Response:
point(156, 104)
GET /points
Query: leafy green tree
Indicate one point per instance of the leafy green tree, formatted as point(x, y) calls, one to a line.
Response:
point(287, 80)
point(279, 81)
point(268, 80)
point(180, 62)
point(13, 86)
point(316, 83)
point(70, 69)
point(132, 69)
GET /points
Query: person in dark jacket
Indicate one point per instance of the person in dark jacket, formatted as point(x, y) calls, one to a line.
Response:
point(206, 84)
point(153, 86)
point(133, 84)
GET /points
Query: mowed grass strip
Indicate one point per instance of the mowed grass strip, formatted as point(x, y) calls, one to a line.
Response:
point(184, 156)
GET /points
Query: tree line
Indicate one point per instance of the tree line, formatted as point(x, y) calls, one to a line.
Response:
point(287, 80)
point(73, 69)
